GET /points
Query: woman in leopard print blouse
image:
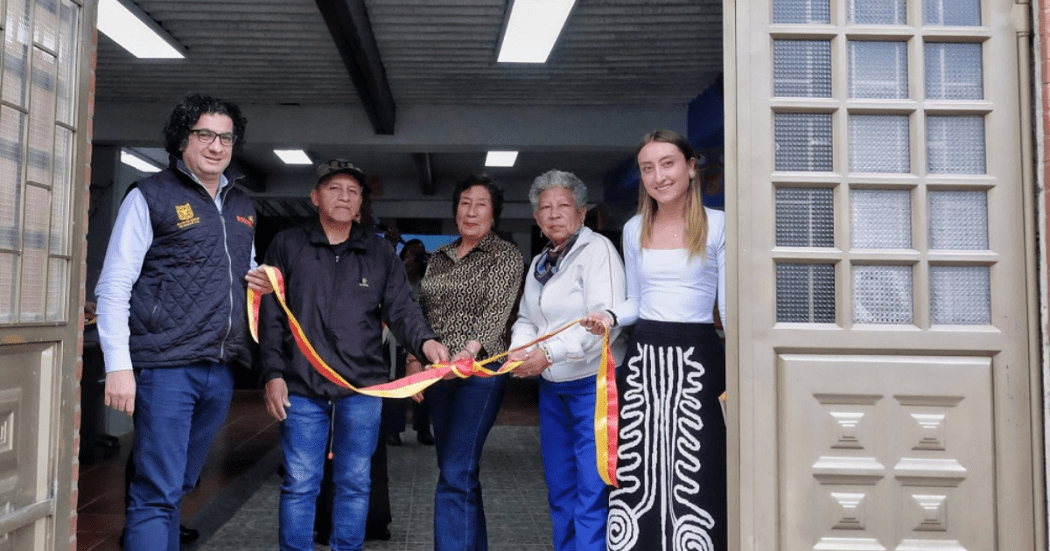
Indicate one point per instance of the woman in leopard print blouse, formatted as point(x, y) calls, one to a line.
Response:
point(468, 294)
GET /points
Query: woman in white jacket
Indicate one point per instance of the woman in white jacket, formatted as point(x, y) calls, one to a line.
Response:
point(579, 272)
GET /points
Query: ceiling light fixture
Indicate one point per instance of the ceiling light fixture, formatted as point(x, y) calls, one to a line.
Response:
point(501, 158)
point(138, 163)
point(532, 30)
point(136, 32)
point(293, 156)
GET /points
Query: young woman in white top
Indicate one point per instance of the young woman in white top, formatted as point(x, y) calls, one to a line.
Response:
point(672, 441)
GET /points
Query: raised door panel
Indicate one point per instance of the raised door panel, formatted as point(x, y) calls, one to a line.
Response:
point(867, 466)
point(26, 406)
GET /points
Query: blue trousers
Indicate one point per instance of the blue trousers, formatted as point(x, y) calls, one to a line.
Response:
point(354, 422)
point(578, 496)
point(463, 412)
point(178, 411)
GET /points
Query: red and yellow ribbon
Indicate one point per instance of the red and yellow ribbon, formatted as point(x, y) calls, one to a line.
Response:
point(606, 410)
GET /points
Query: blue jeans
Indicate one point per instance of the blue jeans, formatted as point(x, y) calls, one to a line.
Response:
point(463, 411)
point(577, 494)
point(354, 421)
point(178, 411)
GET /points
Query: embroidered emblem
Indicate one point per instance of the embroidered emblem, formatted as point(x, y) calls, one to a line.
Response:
point(247, 221)
point(185, 212)
point(364, 282)
point(186, 216)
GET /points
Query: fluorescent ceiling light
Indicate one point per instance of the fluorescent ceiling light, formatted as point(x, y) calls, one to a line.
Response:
point(293, 156)
point(136, 32)
point(532, 30)
point(138, 163)
point(501, 158)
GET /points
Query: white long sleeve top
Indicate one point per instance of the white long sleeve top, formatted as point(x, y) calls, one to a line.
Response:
point(590, 277)
point(667, 285)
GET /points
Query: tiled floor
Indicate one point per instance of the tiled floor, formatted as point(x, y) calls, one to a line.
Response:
point(235, 506)
point(511, 480)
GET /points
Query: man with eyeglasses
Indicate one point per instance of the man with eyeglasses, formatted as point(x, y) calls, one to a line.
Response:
point(171, 311)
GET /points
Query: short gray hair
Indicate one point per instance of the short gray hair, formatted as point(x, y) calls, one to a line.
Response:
point(555, 179)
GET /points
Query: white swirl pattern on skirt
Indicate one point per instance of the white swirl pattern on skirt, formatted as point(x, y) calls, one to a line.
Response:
point(658, 464)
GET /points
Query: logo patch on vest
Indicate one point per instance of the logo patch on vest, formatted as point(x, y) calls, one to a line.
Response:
point(186, 216)
point(249, 221)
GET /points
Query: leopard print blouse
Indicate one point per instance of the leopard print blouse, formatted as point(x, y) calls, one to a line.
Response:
point(472, 298)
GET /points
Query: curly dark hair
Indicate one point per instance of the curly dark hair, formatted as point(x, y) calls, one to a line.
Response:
point(485, 181)
point(189, 111)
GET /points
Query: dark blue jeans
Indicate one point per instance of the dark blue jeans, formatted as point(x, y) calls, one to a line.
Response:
point(354, 423)
point(463, 411)
point(178, 411)
point(577, 494)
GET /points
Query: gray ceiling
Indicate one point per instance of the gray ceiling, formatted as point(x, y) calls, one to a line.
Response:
point(428, 67)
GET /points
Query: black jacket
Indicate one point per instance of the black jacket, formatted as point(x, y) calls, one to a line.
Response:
point(188, 304)
point(340, 294)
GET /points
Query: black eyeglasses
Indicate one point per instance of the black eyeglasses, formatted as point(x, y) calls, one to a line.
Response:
point(207, 136)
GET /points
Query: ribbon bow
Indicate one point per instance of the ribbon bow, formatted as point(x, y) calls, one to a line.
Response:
point(606, 410)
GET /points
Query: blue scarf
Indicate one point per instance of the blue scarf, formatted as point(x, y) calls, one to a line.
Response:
point(547, 266)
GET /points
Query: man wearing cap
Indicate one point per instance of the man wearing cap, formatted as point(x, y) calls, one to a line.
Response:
point(342, 282)
point(171, 311)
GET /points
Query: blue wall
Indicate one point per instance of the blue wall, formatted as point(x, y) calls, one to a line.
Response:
point(706, 131)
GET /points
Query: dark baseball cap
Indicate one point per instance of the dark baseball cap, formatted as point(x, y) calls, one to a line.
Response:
point(340, 166)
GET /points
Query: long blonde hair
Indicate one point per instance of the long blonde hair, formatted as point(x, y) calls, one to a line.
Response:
point(695, 216)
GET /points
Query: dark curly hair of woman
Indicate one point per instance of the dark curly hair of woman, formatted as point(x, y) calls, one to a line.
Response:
point(485, 181)
point(186, 114)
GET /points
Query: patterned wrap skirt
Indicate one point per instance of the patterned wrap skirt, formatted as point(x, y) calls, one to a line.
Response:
point(672, 442)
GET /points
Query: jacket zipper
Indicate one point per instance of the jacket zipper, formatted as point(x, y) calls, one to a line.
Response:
point(229, 269)
point(222, 193)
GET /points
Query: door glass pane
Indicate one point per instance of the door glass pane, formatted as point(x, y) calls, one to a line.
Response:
point(45, 26)
point(805, 217)
point(42, 118)
point(952, 13)
point(8, 286)
point(954, 71)
point(881, 219)
point(34, 253)
point(801, 11)
point(876, 12)
point(878, 70)
point(806, 293)
point(67, 62)
point(958, 220)
point(879, 143)
point(16, 52)
point(803, 142)
point(960, 295)
point(955, 145)
point(12, 132)
point(62, 186)
point(802, 68)
point(882, 294)
point(57, 286)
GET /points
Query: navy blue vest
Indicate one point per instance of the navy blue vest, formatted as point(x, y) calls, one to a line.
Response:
point(188, 304)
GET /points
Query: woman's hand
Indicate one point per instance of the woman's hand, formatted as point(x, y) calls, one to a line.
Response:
point(535, 363)
point(470, 352)
point(515, 356)
point(597, 322)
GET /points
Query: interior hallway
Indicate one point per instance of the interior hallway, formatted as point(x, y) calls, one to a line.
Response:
point(240, 474)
